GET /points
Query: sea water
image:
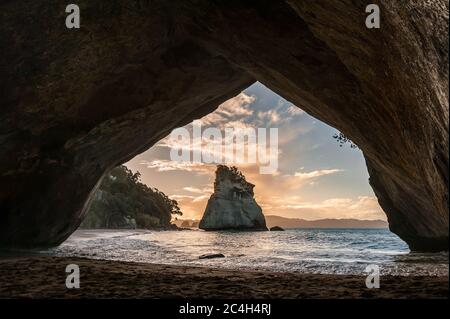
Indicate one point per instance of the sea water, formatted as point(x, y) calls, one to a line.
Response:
point(326, 251)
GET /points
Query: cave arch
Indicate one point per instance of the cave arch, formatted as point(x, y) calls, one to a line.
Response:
point(77, 103)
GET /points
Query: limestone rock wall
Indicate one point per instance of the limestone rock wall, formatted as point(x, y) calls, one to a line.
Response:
point(76, 103)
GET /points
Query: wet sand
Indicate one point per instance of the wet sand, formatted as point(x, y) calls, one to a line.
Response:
point(44, 277)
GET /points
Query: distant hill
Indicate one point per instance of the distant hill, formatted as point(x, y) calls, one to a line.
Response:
point(272, 220)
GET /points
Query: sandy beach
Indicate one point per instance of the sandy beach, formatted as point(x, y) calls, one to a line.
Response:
point(44, 277)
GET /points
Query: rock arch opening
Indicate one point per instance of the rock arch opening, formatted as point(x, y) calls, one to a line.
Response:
point(315, 176)
point(74, 105)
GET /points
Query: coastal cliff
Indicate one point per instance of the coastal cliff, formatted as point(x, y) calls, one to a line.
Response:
point(123, 202)
point(232, 205)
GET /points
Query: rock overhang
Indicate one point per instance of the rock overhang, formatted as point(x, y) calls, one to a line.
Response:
point(77, 103)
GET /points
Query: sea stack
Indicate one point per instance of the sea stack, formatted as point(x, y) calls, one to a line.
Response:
point(232, 205)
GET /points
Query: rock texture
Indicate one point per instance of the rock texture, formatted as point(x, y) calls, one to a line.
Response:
point(75, 103)
point(232, 205)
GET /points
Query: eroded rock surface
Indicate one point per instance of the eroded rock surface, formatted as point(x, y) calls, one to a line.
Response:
point(76, 103)
point(232, 205)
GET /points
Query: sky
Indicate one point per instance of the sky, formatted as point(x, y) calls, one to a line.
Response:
point(315, 177)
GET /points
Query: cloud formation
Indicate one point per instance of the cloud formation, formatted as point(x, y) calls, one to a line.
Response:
point(168, 165)
point(318, 173)
point(363, 207)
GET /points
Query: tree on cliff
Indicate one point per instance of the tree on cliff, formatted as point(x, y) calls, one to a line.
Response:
point(122, 201)
point(342, 140)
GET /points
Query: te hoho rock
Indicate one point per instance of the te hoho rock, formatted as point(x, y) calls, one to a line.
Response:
point(232, 205)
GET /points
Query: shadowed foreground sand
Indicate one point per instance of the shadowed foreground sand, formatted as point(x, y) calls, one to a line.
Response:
point(44, 277)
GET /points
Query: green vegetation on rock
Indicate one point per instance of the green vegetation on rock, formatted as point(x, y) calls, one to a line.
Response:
point(122, 201)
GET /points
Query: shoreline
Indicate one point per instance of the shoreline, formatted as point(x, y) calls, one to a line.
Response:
point(44, 277)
